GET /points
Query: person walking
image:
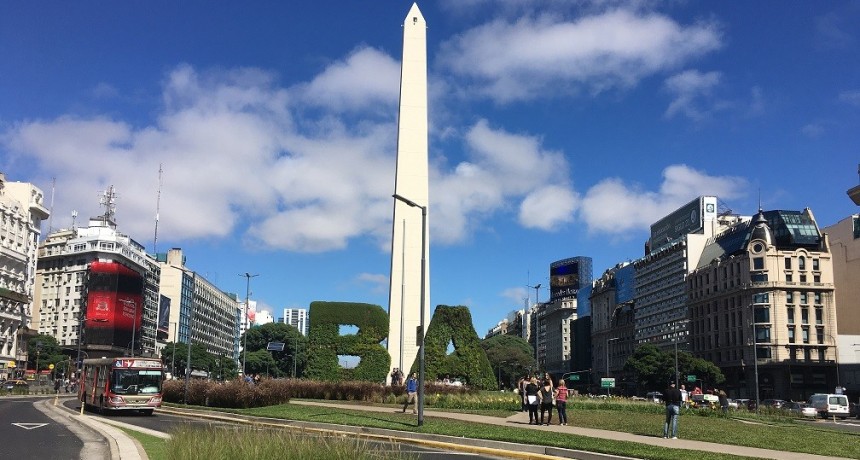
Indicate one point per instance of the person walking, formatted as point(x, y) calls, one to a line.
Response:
point(561, 402)
point(672, 397)
point(412, 393)
point(547, 399)
point(533, 400)
point(521, 387)
point(724, 400)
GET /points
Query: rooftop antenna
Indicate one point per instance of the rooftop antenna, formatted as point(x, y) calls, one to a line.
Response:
point(157, 208)
point(51, 216)
point(108, 200)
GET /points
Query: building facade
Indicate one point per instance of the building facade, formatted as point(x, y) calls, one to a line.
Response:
point(613, 336)
point(22, 211)
point(298, 318)
point(762, 307)
point(199, 312)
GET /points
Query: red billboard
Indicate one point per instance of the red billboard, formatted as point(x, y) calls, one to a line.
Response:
point(114, 304)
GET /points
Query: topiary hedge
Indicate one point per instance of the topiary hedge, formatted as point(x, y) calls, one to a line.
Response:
point(468, 360)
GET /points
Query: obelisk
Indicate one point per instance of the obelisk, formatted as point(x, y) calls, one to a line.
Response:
point(411, 182)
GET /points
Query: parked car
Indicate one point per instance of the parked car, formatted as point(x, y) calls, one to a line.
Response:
point(733, 404)
point(774, 403)
point(654, 396)
point(800, 408)
point(830, 405)
point(854, 410)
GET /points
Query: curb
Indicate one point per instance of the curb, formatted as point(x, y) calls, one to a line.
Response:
point(499, 449)
point(122, 446)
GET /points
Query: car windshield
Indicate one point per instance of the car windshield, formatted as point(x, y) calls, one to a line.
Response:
point(132, 382)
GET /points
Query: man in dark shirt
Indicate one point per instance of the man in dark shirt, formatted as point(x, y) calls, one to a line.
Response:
point(672, 397)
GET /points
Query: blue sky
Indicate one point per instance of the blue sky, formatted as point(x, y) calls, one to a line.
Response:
point(558, 129)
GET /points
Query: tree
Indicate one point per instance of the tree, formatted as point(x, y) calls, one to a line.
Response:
point(261, 362)
point(510, 356)
point(200, 358)
point(294, 356)
point(43, 350)
point(654, 368)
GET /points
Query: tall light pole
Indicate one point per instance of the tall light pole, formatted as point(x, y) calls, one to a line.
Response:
point(248, 277)
point(133, 327)
point(536, 287)
point(190, 322)
point(607, 358)
point(173, 355)
point(423, 209)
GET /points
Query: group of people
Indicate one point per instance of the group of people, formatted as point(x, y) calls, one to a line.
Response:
point(541, 396)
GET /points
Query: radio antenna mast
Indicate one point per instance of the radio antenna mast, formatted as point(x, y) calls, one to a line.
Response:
point(51, 216)
point(157, 209)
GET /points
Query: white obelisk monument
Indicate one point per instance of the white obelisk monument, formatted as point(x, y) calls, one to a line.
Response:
point(411, 182)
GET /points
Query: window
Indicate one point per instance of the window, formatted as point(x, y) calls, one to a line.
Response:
point(762, 314)
point(788, 278)
point(803, 278)
point(815, 264)
point(758, 263)
point(804, 299)
point(788, 263)
point(817, 297)
point(789, 297)
point(819, 335)
point(758, 277)
point(805, 332)
point(762, 334)
point(789, 313)
point(762, 352)
point(791, 334)
point(804, 316)
point(761, 298)
point(801, 263)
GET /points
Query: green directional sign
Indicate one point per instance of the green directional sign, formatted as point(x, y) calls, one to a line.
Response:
point(691, 378)
point(607, 382)
point(573, 377)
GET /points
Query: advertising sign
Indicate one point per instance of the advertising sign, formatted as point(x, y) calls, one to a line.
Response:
point(686, 219)
point(114, 304)
point(163, 318)
point(564, 279)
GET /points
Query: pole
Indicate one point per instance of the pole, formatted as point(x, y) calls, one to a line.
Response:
point(423, 306)
point(607, 365)
point(676, 363)
point(133, 327)
point(80, 339)
point(248, 277)
point(402, 293)
point(173, 356)
point(188, 358)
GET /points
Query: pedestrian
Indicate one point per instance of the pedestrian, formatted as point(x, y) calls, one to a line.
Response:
point(521, 386)
point(57, 385)
point(685, 397)
point(561, 402)
point(672, 397)
point(547, 399)
point(412, 393)
point(533, 400)
point(724, 401)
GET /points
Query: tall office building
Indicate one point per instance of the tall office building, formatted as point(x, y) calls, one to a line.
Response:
point(298, 318)
point(21, 214)
point(196, 310)
point(613, 335)
point(100, 280)
point(762, 307)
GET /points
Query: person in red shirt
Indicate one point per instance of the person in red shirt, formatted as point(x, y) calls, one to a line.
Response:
point(561, 402)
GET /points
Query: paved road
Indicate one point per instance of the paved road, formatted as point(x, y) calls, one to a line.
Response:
point(28, 433)
point(168, 423)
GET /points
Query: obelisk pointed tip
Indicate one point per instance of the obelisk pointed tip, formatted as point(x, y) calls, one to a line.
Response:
point(414, 16)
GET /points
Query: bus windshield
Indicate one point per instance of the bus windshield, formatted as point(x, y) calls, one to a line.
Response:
point(133, 381)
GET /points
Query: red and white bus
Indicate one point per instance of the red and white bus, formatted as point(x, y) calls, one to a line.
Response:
point(119, 384)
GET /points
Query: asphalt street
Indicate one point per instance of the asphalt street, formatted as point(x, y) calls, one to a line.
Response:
point(29, 433)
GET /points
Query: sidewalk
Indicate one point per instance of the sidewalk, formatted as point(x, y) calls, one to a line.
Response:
point(520, 420)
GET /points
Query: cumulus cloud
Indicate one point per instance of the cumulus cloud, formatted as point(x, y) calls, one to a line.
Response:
point(688, 88)
point(544, 55)
point(500, 167)
point(611, 206)
point(850, 97)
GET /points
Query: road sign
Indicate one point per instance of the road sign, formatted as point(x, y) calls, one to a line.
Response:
point(607, 382)
point(573, 377)
point(691, 378)
point(275, 346)
point(51, 366)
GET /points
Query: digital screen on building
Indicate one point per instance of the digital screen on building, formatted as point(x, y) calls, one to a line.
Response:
point(163, 318)
point(564, 279)
point(114, 304)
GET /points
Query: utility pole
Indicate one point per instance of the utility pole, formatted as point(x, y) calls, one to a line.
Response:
point(248, 277)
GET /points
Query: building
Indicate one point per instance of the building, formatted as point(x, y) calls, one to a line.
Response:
point(673, 250)
point(197, 311)
point(552, 332)
point(516, 323)
point(298, 318)
point(762, 307)
point(97, 283)
point(21, 214)
point(613, 336)
point(263, 317)
point(844, 238)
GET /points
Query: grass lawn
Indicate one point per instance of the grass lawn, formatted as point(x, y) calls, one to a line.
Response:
point(155, 447)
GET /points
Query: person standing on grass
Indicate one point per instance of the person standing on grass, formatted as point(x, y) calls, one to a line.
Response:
point(547, 398)
point(672, 396)
point(412, 393)
point(533, 400)
point(521, 386)
point(561, 402)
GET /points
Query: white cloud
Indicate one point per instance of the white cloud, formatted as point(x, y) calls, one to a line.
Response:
point(544, 56)
point(377, 281)
point(516, 295)
point(850, 97)
point(616, 208)
point(502, 167)
point(688, 88)
point(813, 130)
point(367, 78)
point(548, 207)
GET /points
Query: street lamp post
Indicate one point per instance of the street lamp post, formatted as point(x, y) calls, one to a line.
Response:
point(248, 277)
point(536, 287)
point(133, 327)
point(423, 209)
point(607, 359)
point(190, 322)
point(173, 355)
